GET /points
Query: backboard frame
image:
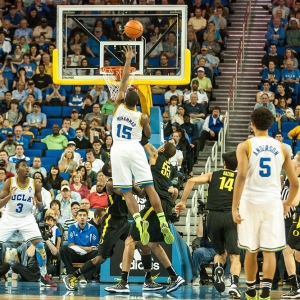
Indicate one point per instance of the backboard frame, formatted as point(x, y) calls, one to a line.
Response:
point(74, 11)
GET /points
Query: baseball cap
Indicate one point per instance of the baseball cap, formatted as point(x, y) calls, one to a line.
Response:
point(44, 20)
point(174, 124)
point(65, 187)
point(25, 124)
point(204, 48)
point(74, 110)
point(200, 69)
point(71, 143)
point(2, 162)
point(30, 82)
point(9, 134)
point(8, 57)
point(12, 7)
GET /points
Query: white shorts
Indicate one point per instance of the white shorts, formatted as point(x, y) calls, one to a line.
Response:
point(27, 226)
point(127, 159)
point(261, 230)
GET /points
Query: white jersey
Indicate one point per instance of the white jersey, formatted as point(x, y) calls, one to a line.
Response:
point(263, 177)
point(126, 125)
point(21, 203)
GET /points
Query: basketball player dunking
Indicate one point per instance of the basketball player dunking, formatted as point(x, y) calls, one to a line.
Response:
point(257, 207)
point(19, 194)
point(128, 156)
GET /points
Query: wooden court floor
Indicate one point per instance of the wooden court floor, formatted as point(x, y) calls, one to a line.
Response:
point(32, 291)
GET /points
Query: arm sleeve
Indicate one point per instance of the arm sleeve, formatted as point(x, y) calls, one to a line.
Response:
point(205, 124)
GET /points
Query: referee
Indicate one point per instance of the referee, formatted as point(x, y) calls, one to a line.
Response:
point(222, 230)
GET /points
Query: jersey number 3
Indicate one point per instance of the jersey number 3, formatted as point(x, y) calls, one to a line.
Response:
point(265, 168)
point(20, 208)
point(123, 131)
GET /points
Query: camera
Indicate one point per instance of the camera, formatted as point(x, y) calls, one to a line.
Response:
point(201, 208)
point(45, 229)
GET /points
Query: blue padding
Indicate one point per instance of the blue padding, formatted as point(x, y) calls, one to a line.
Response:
point(50, 160)
point(153, 61)
point(38, 145)
point(155, 140)
point(65, 176)
point(290, 142)
point(158, 100)
point(155, 120)
point(33, 152)
point(94, 61)
point(54, 153)
point(52, 111)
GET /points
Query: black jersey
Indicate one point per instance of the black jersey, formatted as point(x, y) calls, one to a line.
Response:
point(220, 190)
point(161, 173)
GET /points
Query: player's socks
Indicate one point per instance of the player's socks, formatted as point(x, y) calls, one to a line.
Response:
point(172, 273)
point(251, 288)
point(235, 279)
point(294, 281)
point(87, 267)
point(266, 287)
point(147, 264)
point(41, 257)
point(138, 220)
point(124, 276)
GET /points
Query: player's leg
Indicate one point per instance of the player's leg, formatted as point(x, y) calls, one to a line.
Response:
point(269, 267)
point(176, 280)
point(4, 268)
point(250, 266)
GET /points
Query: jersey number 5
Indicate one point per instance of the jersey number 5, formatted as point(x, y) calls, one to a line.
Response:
point(124, 132)
point(226, 183)
point(265, 168)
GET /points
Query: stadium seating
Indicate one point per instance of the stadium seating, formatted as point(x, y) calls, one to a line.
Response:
point(51, 122)
point(52, 111)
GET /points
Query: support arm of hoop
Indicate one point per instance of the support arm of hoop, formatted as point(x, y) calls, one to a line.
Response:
point(145, 98)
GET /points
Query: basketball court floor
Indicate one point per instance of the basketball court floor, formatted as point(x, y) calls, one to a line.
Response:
point(30, 291)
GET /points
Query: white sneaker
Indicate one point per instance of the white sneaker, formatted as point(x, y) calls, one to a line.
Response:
point(227, 281)
point(196, 281)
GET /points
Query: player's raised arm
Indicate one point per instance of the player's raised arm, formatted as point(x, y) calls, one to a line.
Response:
point(146, 126)
point(6, 193)
point(127, 50)
point(242, 157)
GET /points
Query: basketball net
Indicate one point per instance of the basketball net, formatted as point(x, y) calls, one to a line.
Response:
point(113, 76)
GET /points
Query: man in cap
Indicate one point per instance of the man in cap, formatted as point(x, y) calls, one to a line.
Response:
point(92, 46)
point(43, 29)
point(75, 121)
point(33, 90)
point(210, 59)
point(37, 119)
point(80, 141)
point(204, 83)
point(202, 97)
point(66, 202)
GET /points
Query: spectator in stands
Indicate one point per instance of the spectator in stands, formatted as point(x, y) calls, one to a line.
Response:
point(170, 45)
point(201, 96)
point(293, 35)
point(99, 152)
point(290, 76)
point(17, 57)
point(108, 108)
point(9, 166)
point(276, 35)
point(289, 55)
point(23, 44)
point(212, 126)
point(199, 24)
point(98, 199)
point(54, 178)
point(272, 56)
point(92, 175)
point(27, 132)
point(47, 64)
point(279, 137)
point(272, 75)
point(28, 104)
point(204, 82)
point(192, 44)
point(285, 10)
point(213, 47)
point(97, 164)
point(55, 140)
point(45, 184)
point(74, 208)
point(76, 99)
point(80, 141)
point(5, 103)
point(84, 236)
point(37, 167)
point(282, 93)
point(266, 103)
point(96, 221)
point(160, 22)
point(283, 112)
point(7, 173)
point(220, 21)
point(99, 95)
point(294, 134)
point(95, 114)
point(67, 164)
point(157, 51)
point(173, 91)
point(43, 29)
point(8, 70)
point(34, 54)
point(211, 28)
point(84, 176)
point(77, 156)
point(19, 139)
point(7, 30)
point(2, 175)
point(178, 118)
point(66, 202)
point(85, 129)
point(283, 21)
point(210, 59)
point(77, 186)
point(75, 121)
point(67, 130)
point(76, 57)
point(19, 93)
point(74, 195)
point(29, 67)
point(167, 125)
point(19, 155)
point(87, 106)
point(37, 119)
point(172, 107)
point(14, 17)
point(23, 31)
point(33, 90)
point(92, 46)
point(266, 90)
point(42, 80)
point(14, 115)
point(55, 96)
point(108, 142)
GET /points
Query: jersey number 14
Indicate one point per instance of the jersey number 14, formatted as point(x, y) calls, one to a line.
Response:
point(226, 183)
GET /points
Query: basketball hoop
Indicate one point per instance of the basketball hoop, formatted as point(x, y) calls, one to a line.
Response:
point(112, 77)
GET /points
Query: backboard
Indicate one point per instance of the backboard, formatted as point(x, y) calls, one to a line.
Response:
point(99, 29)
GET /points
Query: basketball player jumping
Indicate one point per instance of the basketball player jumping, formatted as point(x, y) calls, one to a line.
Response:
point(257, 207)
point(128, 156)
point(18, 195)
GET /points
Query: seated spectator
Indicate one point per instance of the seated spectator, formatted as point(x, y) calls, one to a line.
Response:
point(212, 126)
point(210, 61)
point(9, 144)
point(283, 112)
point(159, 22)
point(75, 120)
point(74, 208)
point(266, 90)
point(92, 175)
point(293, 35)
point(266, 103)
point(37, 119)
point(19, 93)
point(37, 167)
point(26, 131)
point(100, 178)
point(290, 76)
point(77, 186)
point(67, 164)
point(23, 31)
point(96, 131)
point(198, 24)
point(174, 91)
point(92, 46)
point(5, 103)
point(167, 125)
point(55, 140)
point(47, 64)
point(19, 155)
point(8, 70)
point(95, 114)
point(285, 10)
point(14, 115)
point(172, 107)
point(28, 103)
point(87, 106)
point(97, 164)
point(178, 118)
point(19, 139)
point(289, 55)
point(276, 34)
point(213, 47)
point(45, 185)
point(99, 95)
point(55, 96)
point(211, 28)
point(85, 179)
point(33, 18)
point(9, 166)
point(42, 45)
point(279, 137)
point(108, 108)
point(282, 94)
point(76, 57)
point(80, 141)
point(201, 96)
point(82, 237)
point(157, 51)
point(108, 142)
point(24, 45)
point(76, 99)
point(164, 63)
point(219, 21)
point(43, 29)
point(272, 75)
point(98, 199)
point(283, 21)
point(17, 57)
point(294, 134)
point(192, 44)
point(67, 130)
point(34, 55)
point(6, 127)
point(77, 156)
point(74, 195)
point(42, 81)
point(83, 69)
point(6, 46)
point(274, 57)
point(96, 221)
point(33, 90)
point(29, 67)
point(204, 83)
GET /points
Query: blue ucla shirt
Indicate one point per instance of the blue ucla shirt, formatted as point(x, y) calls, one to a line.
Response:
point(86, 237)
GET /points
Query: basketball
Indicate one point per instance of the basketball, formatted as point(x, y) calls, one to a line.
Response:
point(134, 29)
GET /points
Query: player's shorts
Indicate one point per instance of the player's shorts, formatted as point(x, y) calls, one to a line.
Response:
point(127, 159)
point(27, 226)
point(222, 232)
point(113, 229)
point(150, 215)
point(293, 239)
point(261, 229)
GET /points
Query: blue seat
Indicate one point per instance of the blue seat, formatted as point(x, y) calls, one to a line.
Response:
point(47, 167)
point(50, 160)
point(158, 100)
point(51, 122)
point(33, 152)
point(65, 176)
point(66, 111)
point(290, 142)
point(27, 136)
point(273, 128)
point(52, 111)
point(94, 61)
point(54, 153)
point(82, 154)
point(46, 131)
point(288, 126)
point(153, 61)
point(35, 131)
point(38, 145)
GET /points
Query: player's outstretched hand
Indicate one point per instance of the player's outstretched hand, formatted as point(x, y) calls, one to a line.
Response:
point(236, 217)
point(12, 191)
point(127, 50)
point(179, 208)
